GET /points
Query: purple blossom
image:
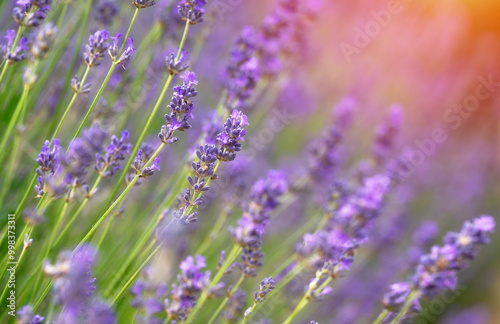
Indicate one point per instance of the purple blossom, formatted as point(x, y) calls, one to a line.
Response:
point(192, 10)
point(176, 66)
point(181, 108)
point(140, 165)
point(234, 132)
point(191, 282)
point(148, 298)
point(105, 11)
point(127, 53)
point(141, 4)
point(264, 198)
point(438, 270)
point(26, 316)
point(95, 49)
point(242, 71)
point(116, 152)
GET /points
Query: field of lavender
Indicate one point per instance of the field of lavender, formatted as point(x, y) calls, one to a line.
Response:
point(230, 161)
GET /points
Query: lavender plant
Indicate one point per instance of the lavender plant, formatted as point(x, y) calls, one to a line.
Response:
point(274, 189)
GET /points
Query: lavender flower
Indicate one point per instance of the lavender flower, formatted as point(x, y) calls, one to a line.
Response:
point(22, 12)
point(181, 108)
point(116, 152)
point(105, 11)
point(6, 50)
point(96, 48)
point(148, 297)
point(386, 134)
point(43, 41)
point(324, 153)
point(235, 305)
point(192, 10)
point(140, 163)
point(438, 270)
point(115, 47)
point(141, 4)
point(127, 53)
point(49, 161)
point(191, 282)
point(264, 198)
point(26, 316)
point(78, 86)
point(346, 229)
point(175, 66)
point(242, 71)
point(234, 132)
point(265, 287)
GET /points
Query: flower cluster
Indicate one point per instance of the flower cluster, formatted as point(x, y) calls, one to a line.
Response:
point(324, 154)
point(264, 198)
point(181, 108)
point(95, 49)
point(191, 282)
point(16, 55)
point(114, 50)
point(74, 287)
point(192, 10)
point(26, 316)
point(438, 270)
point(25, 14)
point(141, 4)
point(43, 41)
point(116, 152)
point(59, 170)
point(148, 297)
point(105, 11)
point(49, 161)
point(265, 287)
point(176, 66)
point(234, 132)
point(347, 227)
point(242, 71)
point(79, 87)
point(140, 163)
point(386, 134)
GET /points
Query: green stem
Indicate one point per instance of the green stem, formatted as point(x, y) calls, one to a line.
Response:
point(70, 105)
point(150, 119)
point(406, 307)
point(78, 211)
point(120, 198)
point(221, 220)
point(381, 317)
point(136, 274)
point(224, 302)
point(108, 76)
point(13, 121)
point(76, 56)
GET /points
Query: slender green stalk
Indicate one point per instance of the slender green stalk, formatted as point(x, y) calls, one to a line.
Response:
point(108, 76)
point(406, 307)
point(12, 122)
point(78, 211)
point(17, 265)
point(108, 227)
point(76, 56)
point(70, 105)
point(150, 119)
point(120, 198)
point(224, 302)
point(214, 230)
point(136, 274)
point(381, 317)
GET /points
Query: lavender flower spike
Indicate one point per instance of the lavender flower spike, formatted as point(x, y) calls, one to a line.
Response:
point(95, 49)
point(438, 270)
point(192, 10)
point(127, 53)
